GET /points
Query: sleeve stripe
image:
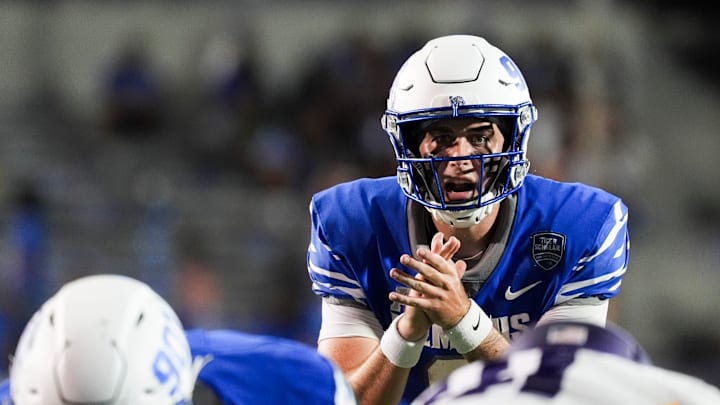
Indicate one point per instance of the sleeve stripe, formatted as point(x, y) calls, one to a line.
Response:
point(332, 274)
point(355, 293)
point(619, 224)
point(572, 287)
point(620, 252)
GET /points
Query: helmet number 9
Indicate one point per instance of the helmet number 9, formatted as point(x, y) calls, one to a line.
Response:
point(169, 362)
point(514, 72)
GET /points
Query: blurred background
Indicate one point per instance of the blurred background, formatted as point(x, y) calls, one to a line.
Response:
point(180, 142)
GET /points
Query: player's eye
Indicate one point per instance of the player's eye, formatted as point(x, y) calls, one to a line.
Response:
point(443, 139)
point(478, 139)
point(480, 136)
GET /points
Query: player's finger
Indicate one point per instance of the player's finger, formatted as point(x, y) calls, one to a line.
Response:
point(414, 283)
point(460, 267)
point(446, 249)
point(436, 243)
point(416, 302)
point(427, 272)
point(450, 248)
point(436, 261)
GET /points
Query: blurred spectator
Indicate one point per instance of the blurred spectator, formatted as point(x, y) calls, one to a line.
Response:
point(334, 109)
point(275, 158)
point(228, 74)
point(197, 287)
point(200, 299)
point(291, 311)
point(230, 104)
point(549, 71)
point(132, 93)
point(25, 278)
point(152, 241)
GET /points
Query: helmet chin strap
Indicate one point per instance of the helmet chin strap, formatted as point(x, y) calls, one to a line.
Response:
point(464, 218)
point(473, 216)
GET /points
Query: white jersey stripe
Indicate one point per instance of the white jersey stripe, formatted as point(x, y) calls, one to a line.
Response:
point(562, 296)
point(356, 293)
point(619, 225)
point(332, 274)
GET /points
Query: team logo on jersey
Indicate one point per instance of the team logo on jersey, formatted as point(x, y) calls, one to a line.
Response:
point(548, 249)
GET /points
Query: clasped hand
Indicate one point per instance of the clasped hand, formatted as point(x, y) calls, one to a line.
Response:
point(436, 292)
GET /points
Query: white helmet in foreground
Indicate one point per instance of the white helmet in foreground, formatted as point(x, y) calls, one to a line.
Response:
point(105, 339)
point(459, 76)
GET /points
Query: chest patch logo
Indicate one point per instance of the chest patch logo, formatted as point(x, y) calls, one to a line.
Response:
point(548, 249)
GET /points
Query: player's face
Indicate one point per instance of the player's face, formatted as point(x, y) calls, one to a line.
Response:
point(461, 137)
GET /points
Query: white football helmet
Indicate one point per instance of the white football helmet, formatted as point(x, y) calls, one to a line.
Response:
point(459, 76)
point(104, 339)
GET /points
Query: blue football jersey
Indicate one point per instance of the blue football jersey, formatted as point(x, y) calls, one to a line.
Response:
point(255, 369)
point(5, 392)
point(556, 242)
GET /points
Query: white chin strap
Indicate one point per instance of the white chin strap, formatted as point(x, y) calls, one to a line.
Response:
point(464, 218)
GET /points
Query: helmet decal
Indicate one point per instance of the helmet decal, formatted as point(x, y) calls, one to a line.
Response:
point(456, 102)
point(514, 72)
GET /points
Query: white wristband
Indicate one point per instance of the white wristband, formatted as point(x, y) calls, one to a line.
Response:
point(472, 329)
point(400, 352)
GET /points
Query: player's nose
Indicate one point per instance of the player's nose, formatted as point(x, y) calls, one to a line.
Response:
point(461, 147)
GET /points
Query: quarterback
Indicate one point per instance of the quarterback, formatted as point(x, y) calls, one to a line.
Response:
point(464, 249)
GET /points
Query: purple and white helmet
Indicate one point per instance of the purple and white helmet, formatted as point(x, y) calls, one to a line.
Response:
point(566, 336)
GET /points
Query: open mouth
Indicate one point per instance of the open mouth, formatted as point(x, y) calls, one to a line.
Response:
point(460, 191)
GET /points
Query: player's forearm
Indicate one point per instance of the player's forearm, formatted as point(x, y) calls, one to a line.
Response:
point(382, 377)
point(475, 337)
point(378, 381)
point(492, 348)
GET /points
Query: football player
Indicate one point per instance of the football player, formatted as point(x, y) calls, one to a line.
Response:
point(110, 339)
point(571, 363)
point(463, 249)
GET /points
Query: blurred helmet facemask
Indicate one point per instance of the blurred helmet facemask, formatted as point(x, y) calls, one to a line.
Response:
point(459, 76)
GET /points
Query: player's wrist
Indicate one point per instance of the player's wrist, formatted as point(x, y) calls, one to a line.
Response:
point(413, 328)
point(399, 351)
point(472, 329)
